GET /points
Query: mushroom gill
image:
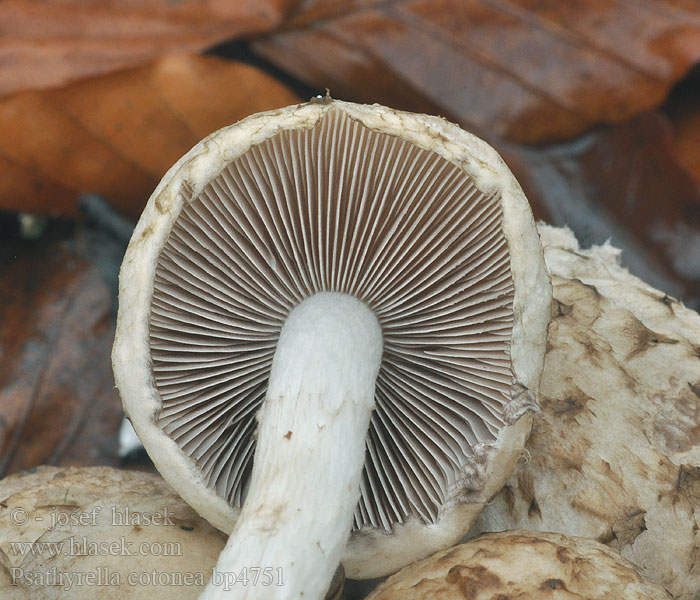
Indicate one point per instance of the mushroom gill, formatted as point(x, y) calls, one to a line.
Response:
point(339, 207)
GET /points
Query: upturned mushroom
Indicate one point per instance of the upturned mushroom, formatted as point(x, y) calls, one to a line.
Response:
point(615, 449)
point(332, 318)
point(103, 534)
point(521, 564)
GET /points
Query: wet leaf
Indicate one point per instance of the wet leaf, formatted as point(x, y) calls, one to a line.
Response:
point(47, 44)
point(525, 70)
point(58, 404)
point(116, 135)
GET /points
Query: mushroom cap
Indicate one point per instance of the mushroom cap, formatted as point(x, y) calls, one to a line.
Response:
point(127, 530)
point(521, 564)
point(615, 449)
point(335, 196)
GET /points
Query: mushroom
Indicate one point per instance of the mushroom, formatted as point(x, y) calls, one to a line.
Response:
point(615, 449)
point(521, 564)
point(332, 318)
point(102, 533)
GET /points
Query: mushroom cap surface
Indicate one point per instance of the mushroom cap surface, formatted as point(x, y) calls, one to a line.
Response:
point(326, 196)
point(98, 532)
point(615, 449)
point(521, 564)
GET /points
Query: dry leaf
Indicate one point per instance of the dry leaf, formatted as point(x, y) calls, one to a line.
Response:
point(525, 70)
point(116, 135)
point(58, 404)
point(623, 183)
point(683, 109)
point(46, 44)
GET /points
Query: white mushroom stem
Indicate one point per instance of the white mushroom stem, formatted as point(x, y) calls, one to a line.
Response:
point(310, 452)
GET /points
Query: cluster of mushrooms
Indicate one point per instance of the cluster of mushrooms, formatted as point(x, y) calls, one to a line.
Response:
point(332, 328)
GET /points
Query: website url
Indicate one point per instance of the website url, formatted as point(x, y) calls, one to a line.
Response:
point(85, 547)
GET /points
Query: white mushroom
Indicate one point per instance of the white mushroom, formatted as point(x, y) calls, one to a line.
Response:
point(100, 533)
point(615, 451)
point(521, 564)
point(374, 276)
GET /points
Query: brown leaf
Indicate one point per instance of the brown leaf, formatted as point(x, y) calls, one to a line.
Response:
point(58, 404)
point(46, 44)
point(683, 109)
point(623, 183)
point(525, 70)
point(116, 135)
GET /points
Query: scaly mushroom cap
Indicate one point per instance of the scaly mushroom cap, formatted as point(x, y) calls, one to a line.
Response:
point(97, 532)
point(521, 564)
point(420, 221)
point(615, 449)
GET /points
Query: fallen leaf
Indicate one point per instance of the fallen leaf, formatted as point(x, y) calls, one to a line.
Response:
point(525, 70)
point(58, 404)
point(47, 44)
point(118, 134)
point(683, 110)
point(624, 183)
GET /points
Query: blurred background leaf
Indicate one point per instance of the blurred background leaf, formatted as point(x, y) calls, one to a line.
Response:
point(528, 71)
point(117, 134)
point(627, 183)
point(58, 404)
point(47, 44)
